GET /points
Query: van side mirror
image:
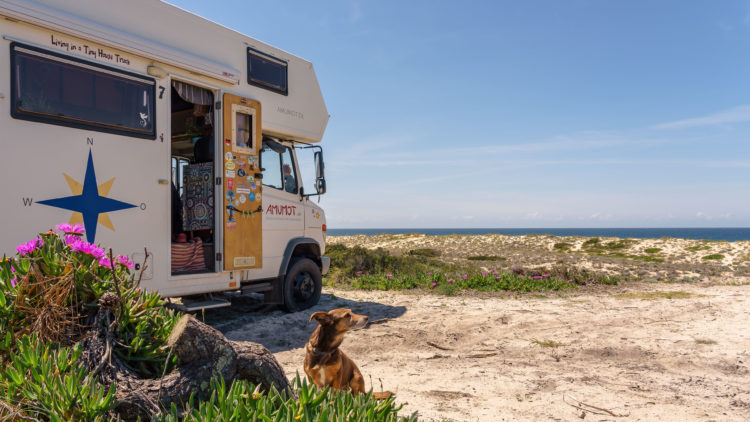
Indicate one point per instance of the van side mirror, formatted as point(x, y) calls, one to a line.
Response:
point(320, 178)
point(319, 166)
point(320, 186)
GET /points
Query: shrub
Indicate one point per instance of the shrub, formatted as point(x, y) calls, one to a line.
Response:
point(51, 287)
point(428, 252)
point(347, 262)
point(593, 242)
point(562, 246)
point(715, 256)
point(582, 276)
point(652, 250)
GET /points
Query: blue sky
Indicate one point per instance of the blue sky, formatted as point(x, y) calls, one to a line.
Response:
point(523, 113)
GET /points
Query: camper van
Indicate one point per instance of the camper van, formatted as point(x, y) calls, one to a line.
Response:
point(171, 139)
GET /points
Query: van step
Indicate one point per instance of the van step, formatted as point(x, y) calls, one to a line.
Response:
point(257, 288)
point(189, 305)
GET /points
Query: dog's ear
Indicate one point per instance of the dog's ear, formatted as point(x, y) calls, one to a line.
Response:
point(322, 317)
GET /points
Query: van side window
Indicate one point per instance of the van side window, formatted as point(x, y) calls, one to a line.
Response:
point(278, 166)
point(52, 88)
point(271, 161)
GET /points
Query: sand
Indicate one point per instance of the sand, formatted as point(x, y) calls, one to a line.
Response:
point(637, 351)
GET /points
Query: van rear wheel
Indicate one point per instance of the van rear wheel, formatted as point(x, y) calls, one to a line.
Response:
point(302, 285)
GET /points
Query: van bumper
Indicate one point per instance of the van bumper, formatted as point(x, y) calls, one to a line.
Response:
point(325, 264)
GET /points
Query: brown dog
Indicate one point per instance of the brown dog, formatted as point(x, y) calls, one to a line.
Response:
point(325, 363)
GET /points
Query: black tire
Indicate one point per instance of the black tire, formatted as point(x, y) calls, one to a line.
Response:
point(302, 285)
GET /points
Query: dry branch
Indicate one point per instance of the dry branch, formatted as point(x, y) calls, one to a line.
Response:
point(587, 408)
point(437, 346)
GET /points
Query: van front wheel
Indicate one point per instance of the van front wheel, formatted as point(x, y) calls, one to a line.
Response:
point(302, 285)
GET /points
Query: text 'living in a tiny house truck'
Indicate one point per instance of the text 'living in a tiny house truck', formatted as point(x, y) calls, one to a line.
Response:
point(170, 138)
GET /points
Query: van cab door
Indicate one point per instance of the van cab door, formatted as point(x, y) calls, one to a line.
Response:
point(242, 177)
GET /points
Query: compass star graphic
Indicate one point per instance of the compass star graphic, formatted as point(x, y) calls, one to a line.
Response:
point(89, 201)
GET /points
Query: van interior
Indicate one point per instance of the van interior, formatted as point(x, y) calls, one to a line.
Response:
point(193, 189)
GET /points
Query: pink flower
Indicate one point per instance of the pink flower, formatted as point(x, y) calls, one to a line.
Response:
point(359, 272)
point(546, 275)
point(29, 247)
point(484, 273)
point(450, 280)
point(521, 276)
point(71, 228)
point(72, 239)
point(465, 276)
point(125, 261)
point(389, 275)
point(13, 281)
point(433, 284)
point(537, 277)
point(429, 273)
point(87, 248)
point(497, 278)
point(105, 262)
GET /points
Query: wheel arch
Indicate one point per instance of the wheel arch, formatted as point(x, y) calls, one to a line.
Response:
point(300, 247)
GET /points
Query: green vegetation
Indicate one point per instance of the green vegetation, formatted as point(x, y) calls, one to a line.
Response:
point(656, 295)
point(698, 248)
point(582, 276)
point(613, 249)
point(486, 258)
point(562, 246)
point(428, 252)
point(715, 256)
point(593, 242)
point(451, 284)
point(705, 341)
point(245, 402)
point(48, 383)
point(348, 262)
point(376, 269)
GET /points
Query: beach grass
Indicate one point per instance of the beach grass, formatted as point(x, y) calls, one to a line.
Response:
point(716, 256)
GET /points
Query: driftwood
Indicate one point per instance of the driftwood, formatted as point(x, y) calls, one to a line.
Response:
point(202, 353)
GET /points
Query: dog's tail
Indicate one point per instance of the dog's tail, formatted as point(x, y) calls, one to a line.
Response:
point(382, 395)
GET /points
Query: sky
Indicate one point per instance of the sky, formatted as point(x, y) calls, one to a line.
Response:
point(502, 114)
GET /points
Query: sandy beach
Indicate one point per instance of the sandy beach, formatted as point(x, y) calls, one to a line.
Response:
point(643, 350)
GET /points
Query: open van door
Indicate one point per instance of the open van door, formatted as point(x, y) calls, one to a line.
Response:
point(242, 175)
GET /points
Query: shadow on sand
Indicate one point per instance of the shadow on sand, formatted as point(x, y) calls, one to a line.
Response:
point(249, 320)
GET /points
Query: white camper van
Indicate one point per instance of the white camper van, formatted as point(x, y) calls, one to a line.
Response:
point(161, 131)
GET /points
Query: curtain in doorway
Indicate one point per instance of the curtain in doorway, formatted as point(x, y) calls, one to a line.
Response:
point(201, 97)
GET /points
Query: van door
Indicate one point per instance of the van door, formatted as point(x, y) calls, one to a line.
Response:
point(243, 210)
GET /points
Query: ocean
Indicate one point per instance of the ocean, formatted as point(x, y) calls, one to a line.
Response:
point(721, 233)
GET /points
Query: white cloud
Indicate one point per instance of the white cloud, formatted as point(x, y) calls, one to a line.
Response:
point(733, 115)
